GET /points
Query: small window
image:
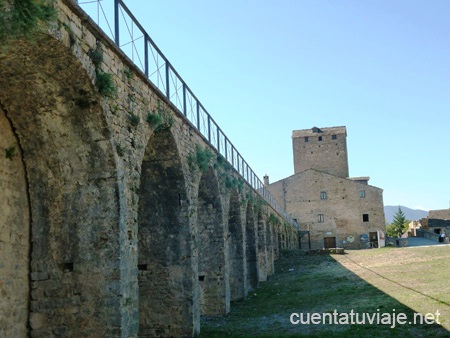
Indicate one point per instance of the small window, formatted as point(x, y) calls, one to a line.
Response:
point(362, 194)
point(323, 195)
point(321, 218)
point(365, 217)
point(333, 137)
point(306, 139)
point(320, 138)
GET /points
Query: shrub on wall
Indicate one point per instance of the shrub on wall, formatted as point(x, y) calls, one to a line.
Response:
point(22, 18)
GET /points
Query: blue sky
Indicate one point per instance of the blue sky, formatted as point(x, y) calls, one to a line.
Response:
point(264, 68)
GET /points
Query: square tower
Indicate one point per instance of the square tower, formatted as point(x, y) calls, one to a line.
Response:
point(323, 149)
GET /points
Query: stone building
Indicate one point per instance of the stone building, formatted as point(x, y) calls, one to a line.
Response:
point(338, 211)
point(438, 221)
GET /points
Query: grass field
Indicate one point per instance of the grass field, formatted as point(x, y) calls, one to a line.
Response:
point(378, 282)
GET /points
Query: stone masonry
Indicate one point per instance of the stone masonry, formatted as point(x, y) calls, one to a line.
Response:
point(108, 226)
point(335, 209)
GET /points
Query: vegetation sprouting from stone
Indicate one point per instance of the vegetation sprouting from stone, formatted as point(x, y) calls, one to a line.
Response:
point(153, 119)
point(257, 201)
point(274, 220)
point(159, 119)
point(10, 152)
point(128, 73)
point(134, 119)
point(23, 18)
point(120, 149)
point(96, 56)
point(201, 158)
point(224, 170)
point(104, 81)
point(105, 84)
point(72, 37)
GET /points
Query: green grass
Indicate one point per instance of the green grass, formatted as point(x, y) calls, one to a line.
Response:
point(408, 280)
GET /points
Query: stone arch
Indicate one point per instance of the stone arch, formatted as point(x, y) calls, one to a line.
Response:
point(212, 249)
point(14, 234)
point(64, 148)
point(269, 249)
point(262, 254)
point(276, 245)
point(251, 248)
point(164, 246)
point(237, 248)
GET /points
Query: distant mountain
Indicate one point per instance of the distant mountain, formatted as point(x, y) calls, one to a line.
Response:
point(410, 214)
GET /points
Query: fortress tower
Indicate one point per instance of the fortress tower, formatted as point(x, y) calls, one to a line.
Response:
point(322, 149)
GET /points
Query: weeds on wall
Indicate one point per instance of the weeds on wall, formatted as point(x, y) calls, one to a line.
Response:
point(23, 18)
point(71, 34)
point(10, 152)
point(274, 220)
point(134, 119)
point(200, 159)
point(224, 169)
point(128, 73)
point(257, 201)
point(120, 149)
point(159, 119)
point(104, 81)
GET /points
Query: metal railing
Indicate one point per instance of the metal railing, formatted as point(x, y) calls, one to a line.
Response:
point(129, 35)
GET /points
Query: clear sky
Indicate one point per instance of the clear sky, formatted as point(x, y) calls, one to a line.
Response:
point(264, 68)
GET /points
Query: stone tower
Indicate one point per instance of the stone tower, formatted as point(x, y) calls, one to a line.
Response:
point(323, 149)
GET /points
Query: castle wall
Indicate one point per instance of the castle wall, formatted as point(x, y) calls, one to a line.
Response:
point(312, 193)
point(324, 151)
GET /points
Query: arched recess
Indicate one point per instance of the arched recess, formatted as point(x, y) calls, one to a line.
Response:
point(64, 150)
point(251, 248)
point(164, 245)
point(275, 244)
point(262, 254)
point(213, 264)
point(237, 248)
point(14, 235)
point(269, 249)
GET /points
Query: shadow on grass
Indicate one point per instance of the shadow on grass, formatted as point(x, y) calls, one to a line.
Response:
point(317, 284)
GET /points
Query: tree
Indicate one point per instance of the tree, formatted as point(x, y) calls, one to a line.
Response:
point(399, 224)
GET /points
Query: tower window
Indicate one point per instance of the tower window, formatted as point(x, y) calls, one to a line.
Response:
point(320, 138)
point(306, 139)
point(365, 217)
point(321, 218)
point(323, 195)
point(333, 137)
point(362, 194)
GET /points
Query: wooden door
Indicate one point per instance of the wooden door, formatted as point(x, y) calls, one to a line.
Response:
point(329, 242)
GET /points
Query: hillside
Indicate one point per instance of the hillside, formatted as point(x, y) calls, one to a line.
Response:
point(410, 214)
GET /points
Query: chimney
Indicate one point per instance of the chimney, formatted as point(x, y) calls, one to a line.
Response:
point(266, 180)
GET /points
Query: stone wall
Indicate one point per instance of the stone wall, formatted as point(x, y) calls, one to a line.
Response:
point(109, 225)
point(342, 208)
point(323, 149)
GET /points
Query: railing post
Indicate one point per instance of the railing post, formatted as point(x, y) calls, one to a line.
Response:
point(116, 22)
point(167, 79)
point(226, 147)
point(209, 128)
point(184, 99)
point(218, 138)
point(232, 156)
point(198, 115)
point(146, 55)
